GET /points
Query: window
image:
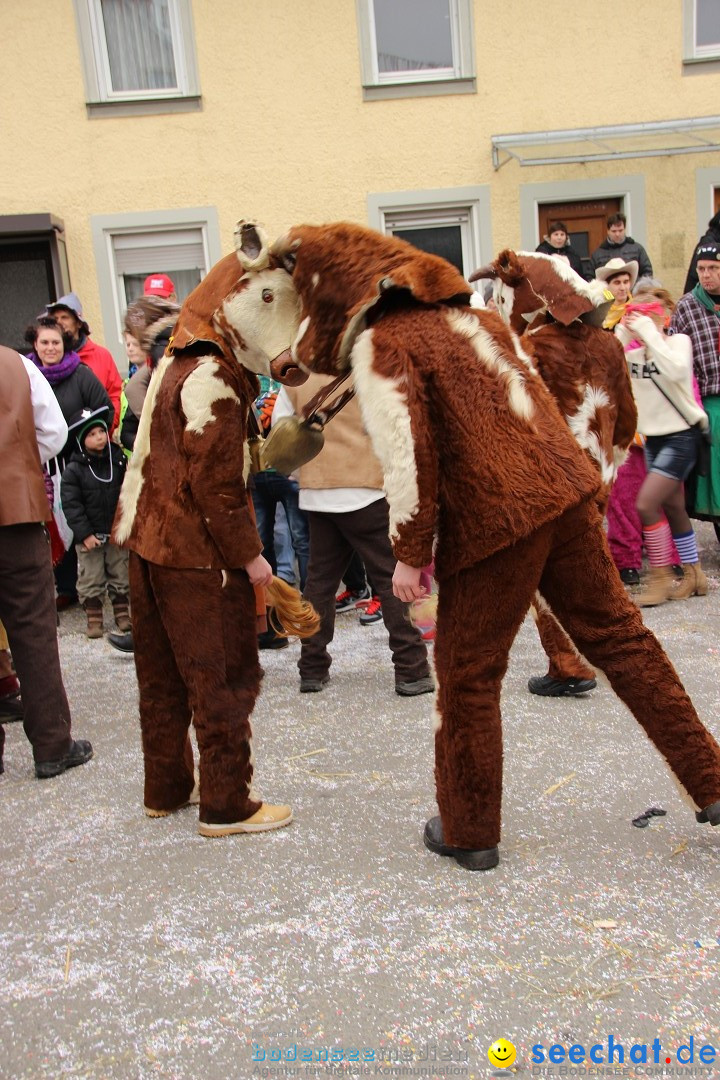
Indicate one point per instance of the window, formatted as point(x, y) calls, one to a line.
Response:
point(137, 53)
point(411, 47)
point(702, 30)
point(183, 244)
point(453, 223)
point(180, 253)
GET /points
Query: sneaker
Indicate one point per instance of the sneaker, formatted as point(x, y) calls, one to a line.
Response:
point(348, 599)
point(266, 818)
point(415, 687)
point(372, 612)
point(547, 686)
point(313, 686)
point(630, 576)
point(80, 751)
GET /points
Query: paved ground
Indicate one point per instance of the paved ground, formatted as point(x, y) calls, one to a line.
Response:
point(133, 948)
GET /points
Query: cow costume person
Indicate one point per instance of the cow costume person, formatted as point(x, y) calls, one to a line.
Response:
point(560, 316)
point(195, 553)
point(482, 471)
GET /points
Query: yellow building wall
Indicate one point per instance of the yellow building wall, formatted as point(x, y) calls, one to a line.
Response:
point(284, 134)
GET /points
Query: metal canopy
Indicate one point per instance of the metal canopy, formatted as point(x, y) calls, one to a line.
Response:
point(617, 141)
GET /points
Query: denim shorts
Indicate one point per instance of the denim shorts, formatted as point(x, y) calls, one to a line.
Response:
point(672, 455)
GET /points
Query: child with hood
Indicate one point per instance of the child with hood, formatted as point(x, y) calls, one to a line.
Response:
point(90, 490)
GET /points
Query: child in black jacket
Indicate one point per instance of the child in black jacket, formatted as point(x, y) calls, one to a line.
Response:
point(89, 490)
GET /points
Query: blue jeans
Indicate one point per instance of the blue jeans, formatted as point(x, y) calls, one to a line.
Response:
point(269, 489)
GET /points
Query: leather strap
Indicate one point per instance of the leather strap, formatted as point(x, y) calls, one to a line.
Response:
point(314, 416)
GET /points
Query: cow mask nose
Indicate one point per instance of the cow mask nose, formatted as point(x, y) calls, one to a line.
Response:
point(284, 370)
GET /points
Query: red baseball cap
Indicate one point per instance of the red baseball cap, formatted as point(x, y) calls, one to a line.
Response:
point(158, 285)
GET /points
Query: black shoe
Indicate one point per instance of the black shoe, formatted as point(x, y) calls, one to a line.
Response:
point(630, 576)
point(122, 642)
point(63, 601)
point(270, 640)
point(415, 687)
point(711, 813)
point(313, 686)
point(11, 708)
point(546, 686)
point(80, 751)
point(481, 859)
point(347, 600)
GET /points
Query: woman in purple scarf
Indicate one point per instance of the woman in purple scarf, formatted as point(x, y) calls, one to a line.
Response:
point(77, 390)
point(74, 385)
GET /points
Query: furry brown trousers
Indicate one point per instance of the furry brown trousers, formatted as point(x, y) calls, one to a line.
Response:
point(568, 561)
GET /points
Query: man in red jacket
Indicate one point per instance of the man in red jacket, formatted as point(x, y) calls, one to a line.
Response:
point(67, 311)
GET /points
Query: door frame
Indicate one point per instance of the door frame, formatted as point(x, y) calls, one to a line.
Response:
point(706, 181)
point(630, 189)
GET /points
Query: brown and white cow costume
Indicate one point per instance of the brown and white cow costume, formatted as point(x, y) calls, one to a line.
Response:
point(560, 316)
point(195, 553)
point(480, 467)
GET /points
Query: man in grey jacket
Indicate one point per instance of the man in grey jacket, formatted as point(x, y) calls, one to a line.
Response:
point(619, 245)
point(33, 431)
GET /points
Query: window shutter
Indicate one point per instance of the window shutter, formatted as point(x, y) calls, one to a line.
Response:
point(143, 253)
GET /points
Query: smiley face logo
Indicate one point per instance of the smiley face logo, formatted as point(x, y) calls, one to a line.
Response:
point(501, 1054)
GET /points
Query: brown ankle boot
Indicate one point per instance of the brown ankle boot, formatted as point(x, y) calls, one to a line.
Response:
point(94, 612)
point(658, 588)
point(121, 611)
point(694, 583)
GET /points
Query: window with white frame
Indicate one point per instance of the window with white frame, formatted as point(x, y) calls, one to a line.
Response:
point(702, 30)
point(452, 223)
point(183, 244)
point(416, 46)
point(137, 50)
point(179, 253)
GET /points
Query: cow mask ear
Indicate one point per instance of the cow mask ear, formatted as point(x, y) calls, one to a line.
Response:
point(426, 278)
point(251, 246)
point(508, 268)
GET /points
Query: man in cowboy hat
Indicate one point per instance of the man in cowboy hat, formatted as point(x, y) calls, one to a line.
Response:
point(619, 244)
point(619, 278)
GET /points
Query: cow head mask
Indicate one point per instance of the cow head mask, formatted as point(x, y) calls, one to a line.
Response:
point(527, 285)
point(347, 276)
point(247, 306)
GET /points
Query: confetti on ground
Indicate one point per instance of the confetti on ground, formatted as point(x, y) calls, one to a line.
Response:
point(134, 948)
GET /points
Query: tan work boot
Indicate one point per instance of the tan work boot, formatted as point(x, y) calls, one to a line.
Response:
point(694, 583)
point(266, 818)
point(658, 589)
point(94, 612)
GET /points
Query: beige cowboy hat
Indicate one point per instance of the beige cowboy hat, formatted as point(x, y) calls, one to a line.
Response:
point(619, 266)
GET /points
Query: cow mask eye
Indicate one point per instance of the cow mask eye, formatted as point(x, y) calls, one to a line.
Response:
point(289, 260)
point(268, 296)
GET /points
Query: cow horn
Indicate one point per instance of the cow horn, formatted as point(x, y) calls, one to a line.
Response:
point(485, 272)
